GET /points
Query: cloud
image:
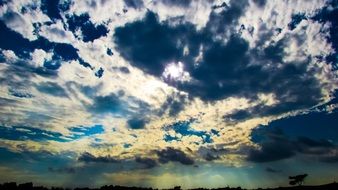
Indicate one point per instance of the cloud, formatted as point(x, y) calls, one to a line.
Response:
point(123, 69)
point(174, 155)
point(89, 31)
point(277, 143)
point(179, 3)
point(296, 19)
point(57, 33)
point(147, 162)
point(247, 69)
point(310, 146)
point(19, 24)
point(157, 44)
point(62, 51)
point(174, 104)
point(135, 4)
point(20, 93)
point(328, 14)
point(260, 3)
point(136, 123)
point(277, 148)
point(87, 157)
point(118, 104)
point(280, 148)
point(52, 89)
point(210, 157)
point(106, 104)
point(227, 18)
point(247, 63)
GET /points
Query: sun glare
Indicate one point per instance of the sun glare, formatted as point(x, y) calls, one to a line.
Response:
point(175, 71)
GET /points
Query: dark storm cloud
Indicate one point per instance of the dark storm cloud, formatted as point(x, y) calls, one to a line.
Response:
point(137, 123)
point(156, 44)
point(106, 104)
point(174, 155)
point(314, 125)
point(275, 148)
point(295, 138)
point(260, 3)
point(226, 69)
point(282, 148)
point(90, 31)
point(119, 104)
point(52, 89)
point(160, 43)
point(174, 104)
point(211, 157)
point(135, 4)
point(147, 162)
point(87, 157)
point(317, 147)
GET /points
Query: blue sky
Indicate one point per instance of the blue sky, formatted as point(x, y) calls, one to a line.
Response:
point(163, 93)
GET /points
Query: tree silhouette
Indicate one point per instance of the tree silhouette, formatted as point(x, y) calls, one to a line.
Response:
point(298, 179)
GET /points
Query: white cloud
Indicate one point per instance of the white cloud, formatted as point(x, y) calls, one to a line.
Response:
point(39, 56)
point(58, 114)
point(22, 22)
point(56, 33)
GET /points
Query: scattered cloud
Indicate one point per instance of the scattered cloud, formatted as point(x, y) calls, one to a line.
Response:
point(87, 157)
point(157, 84)
point(174, 155)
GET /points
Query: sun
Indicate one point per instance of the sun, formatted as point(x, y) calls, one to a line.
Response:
point(175, 72)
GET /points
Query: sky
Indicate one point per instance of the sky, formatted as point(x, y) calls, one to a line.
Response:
point(159, 93)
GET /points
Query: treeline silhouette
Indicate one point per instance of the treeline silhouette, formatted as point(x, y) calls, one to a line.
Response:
point(30, 186)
